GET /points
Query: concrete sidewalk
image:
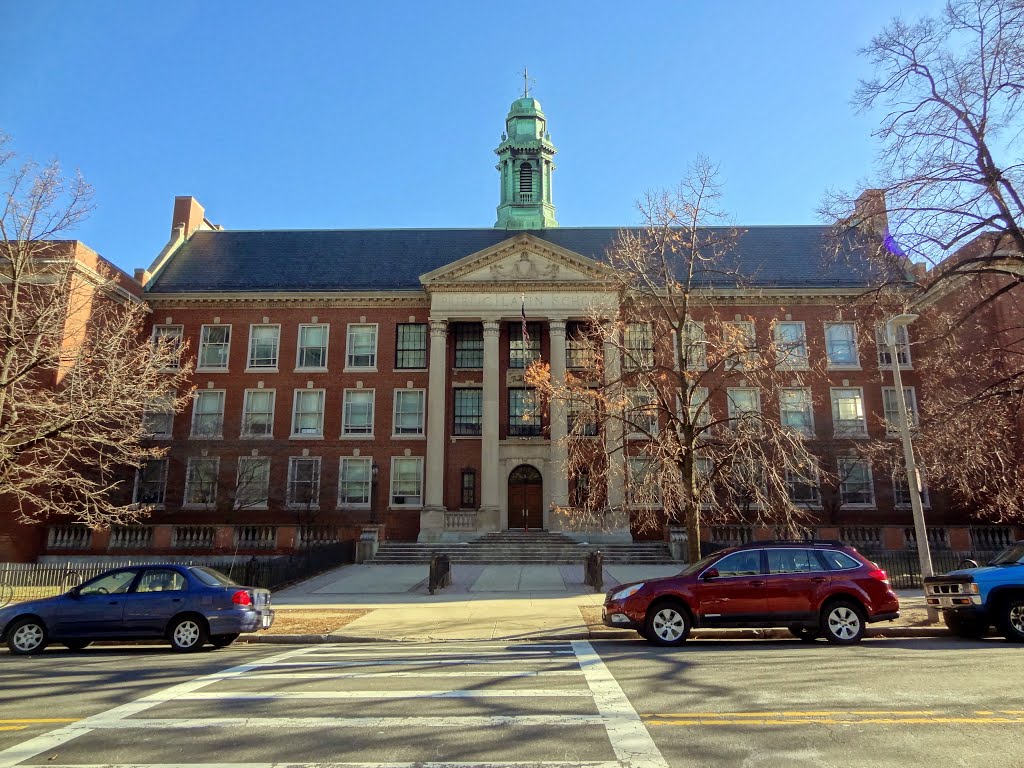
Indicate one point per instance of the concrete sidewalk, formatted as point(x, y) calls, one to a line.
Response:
point(500, 602)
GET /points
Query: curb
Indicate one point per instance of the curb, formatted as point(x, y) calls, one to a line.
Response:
point(613, 634)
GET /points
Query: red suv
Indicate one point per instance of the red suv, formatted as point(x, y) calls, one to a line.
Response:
point(815, 588)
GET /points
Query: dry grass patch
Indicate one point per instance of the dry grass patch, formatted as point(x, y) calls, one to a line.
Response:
point(300, 622)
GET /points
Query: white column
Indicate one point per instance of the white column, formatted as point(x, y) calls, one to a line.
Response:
point(490, 490)
point(437, 388)
point(559, 424)
point(613, 427)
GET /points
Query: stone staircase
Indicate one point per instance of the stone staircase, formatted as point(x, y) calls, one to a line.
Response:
point(523, 548)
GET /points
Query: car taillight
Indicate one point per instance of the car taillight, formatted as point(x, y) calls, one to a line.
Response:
point(879, 575)
point(241, 597)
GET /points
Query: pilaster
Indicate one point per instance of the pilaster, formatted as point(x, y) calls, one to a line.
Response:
point(559, 425)
point(490, 486)
point(436, 390)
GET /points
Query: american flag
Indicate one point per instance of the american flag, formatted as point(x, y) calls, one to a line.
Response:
point(526, 333)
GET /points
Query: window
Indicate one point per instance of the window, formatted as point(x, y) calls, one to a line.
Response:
point(838, 561)
point(848, 412)
point(525, 182)
point(308, 413)
point(357, 412)
point(354, 481)
point(523, 413)
point(700, 407)
point(579, 493)
point(855, 486)
point(581, 415)
point(408, 416)
point(312, 352)
point(263, 345)
point(791, 344)
point(841, 345)
point(253, 486)
point(522, 352)
point(694, 346)
point(902, 347)
point(411, 345)
point(169, 337)
point(303, 482)
point(362, 345)
point(580, 346)
point(744, 563)
point(795, 410)
point(739, 338)
point(208, 413)
point(201, 481)
point(639, 346)
point(258, 413)
point(743, 401)
point(406, 481)
point(468, 412)
point(116, 583)
point(642, 486)
point(469, 345)
point(642, 414)
point(214, 343)
point(892, 409)
point(151, 482)
point(802, 486)
point(901, 491)
point(164, 580)
point(793, 561)
point(158, 417)
point(468, 497)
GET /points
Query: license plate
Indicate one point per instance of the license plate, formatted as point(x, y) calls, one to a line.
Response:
point(266, 622)
point(946, 602)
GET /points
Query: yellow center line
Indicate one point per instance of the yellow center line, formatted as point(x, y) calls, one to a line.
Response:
point(41, 720)
point(13, 727)
point(691, 722)
point(830, 713)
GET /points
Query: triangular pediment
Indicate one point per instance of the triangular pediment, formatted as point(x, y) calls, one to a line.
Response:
point(522, 259)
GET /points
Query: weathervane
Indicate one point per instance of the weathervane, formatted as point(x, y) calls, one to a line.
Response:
point(526, 83)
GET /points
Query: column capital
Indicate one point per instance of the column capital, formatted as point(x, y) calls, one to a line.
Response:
point(556, 326)
point(438, 327)
point(492, 328)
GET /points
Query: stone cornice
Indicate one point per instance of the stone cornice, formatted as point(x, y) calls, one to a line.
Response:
point(304, 299)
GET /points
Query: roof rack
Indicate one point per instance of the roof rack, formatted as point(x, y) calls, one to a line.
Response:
point(799, 542)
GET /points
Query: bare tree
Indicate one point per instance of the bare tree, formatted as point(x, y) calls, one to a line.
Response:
point(681, 396)
point(75, 372)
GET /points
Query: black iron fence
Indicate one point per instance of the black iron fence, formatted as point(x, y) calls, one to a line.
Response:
point(904, 568)
point(31, 581)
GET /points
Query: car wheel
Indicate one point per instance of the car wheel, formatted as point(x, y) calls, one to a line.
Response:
point(188, 634)
point(223, 641)
point(27, 636)
point(1011, 620)
point(75, 645)
point(666, 624)
point(842, 622)
point(971, 629)
point(807, 634)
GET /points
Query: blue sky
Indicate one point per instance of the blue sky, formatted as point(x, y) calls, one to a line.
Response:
point(386, 114)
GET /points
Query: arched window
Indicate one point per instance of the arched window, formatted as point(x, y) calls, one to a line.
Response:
point(525, 179)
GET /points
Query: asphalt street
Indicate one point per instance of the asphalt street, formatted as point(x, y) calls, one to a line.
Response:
point(593, 704)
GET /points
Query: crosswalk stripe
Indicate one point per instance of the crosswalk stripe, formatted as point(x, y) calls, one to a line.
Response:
point(328, 675)
point(481, 694)
point(254, 724)
point(417, 764)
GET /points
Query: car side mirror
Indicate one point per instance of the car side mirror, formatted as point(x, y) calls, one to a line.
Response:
point(710, 573)
point(75, 593)
point(968, 563)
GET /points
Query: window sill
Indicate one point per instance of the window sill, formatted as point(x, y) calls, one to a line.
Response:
point(843, 367)
point(304, 507)
point(360, 436)
point(204, 507)
point(871, 506)
point(399, 507)
point(212, 370)
point(419, 436)
point(251, 507)
point(305, 437)
point(245, 436)
point(888, 367)
point(311, 370)
point(206, 437)
point(266, 369)
point(159, 437)
point(466, 437)
point(362, 507)
point(924, 505)
point(356, 369)
point(410, 370)
point(792, 367)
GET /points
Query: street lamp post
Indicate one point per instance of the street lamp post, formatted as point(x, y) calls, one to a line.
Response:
point(913, 478)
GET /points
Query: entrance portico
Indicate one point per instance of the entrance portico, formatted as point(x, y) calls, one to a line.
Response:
point(489, 291)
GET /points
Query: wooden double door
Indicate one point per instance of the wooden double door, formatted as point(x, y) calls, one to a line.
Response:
point(525, 498)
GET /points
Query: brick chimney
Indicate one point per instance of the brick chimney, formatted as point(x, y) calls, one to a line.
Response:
point(188, 214)
point(869, 212)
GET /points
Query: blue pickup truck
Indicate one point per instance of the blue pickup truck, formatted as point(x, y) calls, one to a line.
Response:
point(973, 599)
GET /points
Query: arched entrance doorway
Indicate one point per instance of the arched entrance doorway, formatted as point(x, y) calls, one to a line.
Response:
point(525, 498)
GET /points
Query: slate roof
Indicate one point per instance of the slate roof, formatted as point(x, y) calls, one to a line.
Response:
point(393, 259)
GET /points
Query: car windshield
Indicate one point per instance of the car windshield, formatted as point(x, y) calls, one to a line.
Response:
point(700, 564)
point(1012, 555)
point(213, 578)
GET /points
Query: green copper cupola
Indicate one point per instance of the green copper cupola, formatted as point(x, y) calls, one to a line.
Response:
point(525, 164)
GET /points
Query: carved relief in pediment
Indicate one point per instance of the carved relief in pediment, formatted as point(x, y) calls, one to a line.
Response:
point(527, 267)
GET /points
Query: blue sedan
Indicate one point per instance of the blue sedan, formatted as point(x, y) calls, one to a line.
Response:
point(186, 605)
